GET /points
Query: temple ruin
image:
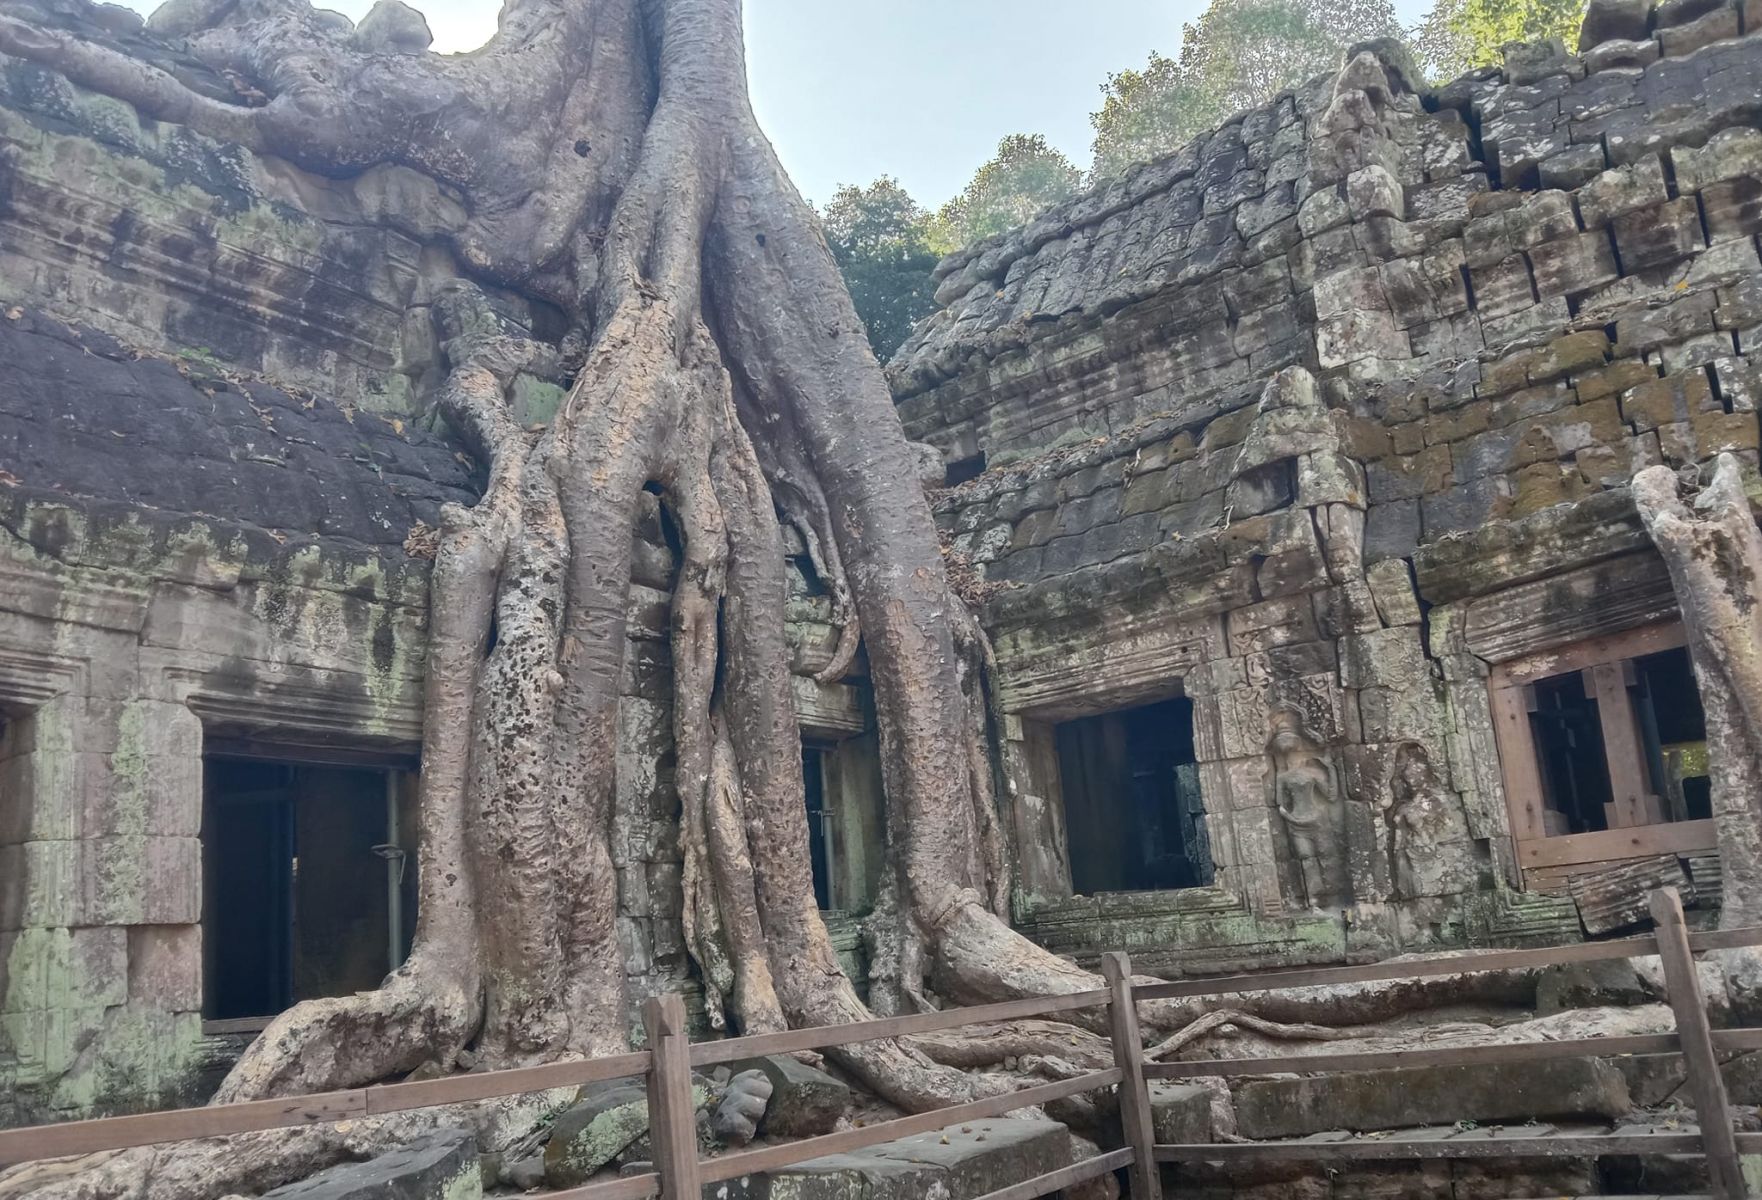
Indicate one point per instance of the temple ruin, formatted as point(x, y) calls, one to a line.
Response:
point(1289, 475)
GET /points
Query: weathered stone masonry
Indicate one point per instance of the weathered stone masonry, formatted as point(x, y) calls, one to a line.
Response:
point(1322, 426)
point(1325, 422)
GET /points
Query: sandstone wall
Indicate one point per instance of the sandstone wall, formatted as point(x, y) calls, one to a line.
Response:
point(1481, 311)
point(182, 556)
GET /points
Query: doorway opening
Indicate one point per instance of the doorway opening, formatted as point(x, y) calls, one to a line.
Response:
point(813, 775)
point(1134, 819)
point(306, 889)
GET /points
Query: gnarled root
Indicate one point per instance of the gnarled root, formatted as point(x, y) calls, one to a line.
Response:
point(1713, 550)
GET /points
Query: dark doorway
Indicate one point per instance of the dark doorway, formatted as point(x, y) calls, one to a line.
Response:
point(302, 884)
point(1133, 816)
point(813, 776)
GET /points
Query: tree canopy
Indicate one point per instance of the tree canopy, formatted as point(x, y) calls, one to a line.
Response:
point(885, 245)
point(1024, 178)
point(1460, 35)
point(1237, 55)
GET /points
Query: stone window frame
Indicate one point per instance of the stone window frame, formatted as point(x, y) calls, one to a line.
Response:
point(1520, 764)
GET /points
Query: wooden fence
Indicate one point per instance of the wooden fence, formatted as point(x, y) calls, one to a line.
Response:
point(679, 1174)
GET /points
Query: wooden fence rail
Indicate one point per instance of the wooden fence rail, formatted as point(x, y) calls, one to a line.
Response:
point(679, 1174)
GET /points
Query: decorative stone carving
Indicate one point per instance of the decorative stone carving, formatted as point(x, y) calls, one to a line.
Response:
point(1306, 793)
point(1429, 842)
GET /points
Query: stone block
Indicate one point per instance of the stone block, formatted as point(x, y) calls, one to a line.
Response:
point(1729, 154)
point(1607, 20)
point(1349, 291)
point(1529, 62)
point(165, 967)
point(1659, 234)
point(1321, 211)
point(1652, 1079)
point(960, 1162)
point(1374, 191)
point(594, 1130)
point(1640, 330)
point(42, 792)
point(1386, 658)
point(1576, 263)
point(1711, 434)
point(804, 1102)
point(1573, 167)
point(1622, 190)
point(130, 880)
point(1712, 27)
point(1615, 378)
point(1354, 336)
point(1180, 1113)
point(139, 794)
point(1480, 1179)
point(1695, 353)
point(1502, 288)
point(1622, 53)
point(1613, 982)
point(443, 1164)
point(1672, 398)
point(1733, 208)
point(48, 895)
point(1405, 477)
point(88, 968)
point(1670, 14)
point(1371, 1100)
point(1465, 507)
point(1391, 587)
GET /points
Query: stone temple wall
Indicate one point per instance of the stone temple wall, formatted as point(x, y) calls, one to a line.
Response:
point(1326, 421)
point(1323, 422)
point(215, 440)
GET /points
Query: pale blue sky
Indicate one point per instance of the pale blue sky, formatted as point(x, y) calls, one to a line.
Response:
point(919, 89)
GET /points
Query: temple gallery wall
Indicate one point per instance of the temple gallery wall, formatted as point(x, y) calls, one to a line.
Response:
point(1292, 470)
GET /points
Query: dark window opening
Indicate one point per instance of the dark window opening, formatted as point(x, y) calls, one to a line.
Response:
point(1674, 727)
point(813, 773)
point(1133, 814)
point(1575, 770)
point(1624, 728)
point(305, 890)
point(963, 469)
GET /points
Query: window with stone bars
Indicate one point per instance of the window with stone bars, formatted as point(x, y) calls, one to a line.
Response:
point(1602, 745)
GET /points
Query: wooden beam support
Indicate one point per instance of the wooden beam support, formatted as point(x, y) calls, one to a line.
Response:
point(1632, 803)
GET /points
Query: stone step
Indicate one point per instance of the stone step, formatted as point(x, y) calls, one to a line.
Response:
point(442, 1166)
point(957, 1163)
point(1294, 1106)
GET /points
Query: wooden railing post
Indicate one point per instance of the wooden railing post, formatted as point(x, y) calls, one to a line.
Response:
point(672, 1114)
point(1128, 1056)
point(1695, 1033)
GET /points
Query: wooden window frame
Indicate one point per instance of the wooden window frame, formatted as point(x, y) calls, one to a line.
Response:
point(1637, 829)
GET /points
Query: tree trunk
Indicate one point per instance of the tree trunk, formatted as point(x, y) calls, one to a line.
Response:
point(1714, 552)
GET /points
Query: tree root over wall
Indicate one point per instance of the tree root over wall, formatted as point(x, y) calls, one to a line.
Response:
point(613, 168)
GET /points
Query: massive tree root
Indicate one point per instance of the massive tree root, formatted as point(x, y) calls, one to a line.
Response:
point(1713, 549)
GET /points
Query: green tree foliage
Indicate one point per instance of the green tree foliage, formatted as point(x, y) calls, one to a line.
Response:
point(885, 248)
point(1460, 35)
point(1025, 177)
point(1238, 54)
